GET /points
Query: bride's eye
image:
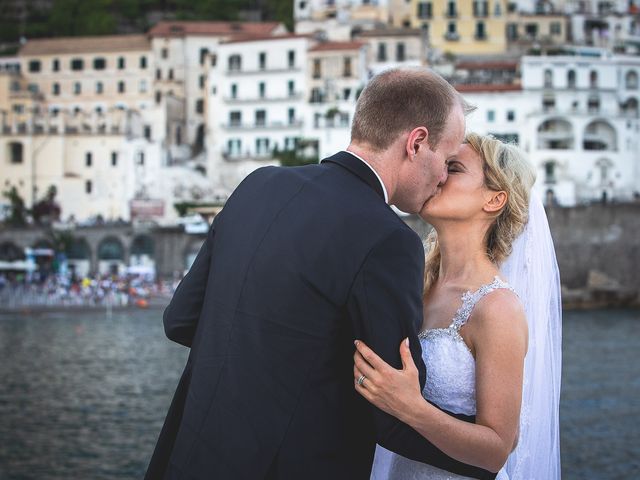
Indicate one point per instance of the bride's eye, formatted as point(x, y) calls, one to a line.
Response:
point(453, 167)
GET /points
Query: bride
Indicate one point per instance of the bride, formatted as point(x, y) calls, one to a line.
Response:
point(491, 330)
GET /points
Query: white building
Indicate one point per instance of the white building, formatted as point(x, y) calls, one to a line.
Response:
point(577, 118)
point(183, 53)
point(256, 105)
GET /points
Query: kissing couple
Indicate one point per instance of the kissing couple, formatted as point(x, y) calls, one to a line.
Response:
point(324, 346)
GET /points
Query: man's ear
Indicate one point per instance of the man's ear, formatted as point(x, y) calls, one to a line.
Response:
point(418, 138)
point(495, 201)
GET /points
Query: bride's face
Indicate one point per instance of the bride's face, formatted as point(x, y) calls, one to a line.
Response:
point(464, 195)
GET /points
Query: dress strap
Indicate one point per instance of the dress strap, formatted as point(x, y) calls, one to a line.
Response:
point(469, 300)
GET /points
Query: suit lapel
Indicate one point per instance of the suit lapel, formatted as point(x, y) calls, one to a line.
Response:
point(358, 168)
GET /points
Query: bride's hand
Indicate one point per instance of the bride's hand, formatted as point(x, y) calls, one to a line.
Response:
point(396, 392)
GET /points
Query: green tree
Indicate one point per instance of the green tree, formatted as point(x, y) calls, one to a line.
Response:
point(18, 212)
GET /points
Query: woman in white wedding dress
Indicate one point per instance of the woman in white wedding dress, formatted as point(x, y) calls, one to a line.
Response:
point(491, 330)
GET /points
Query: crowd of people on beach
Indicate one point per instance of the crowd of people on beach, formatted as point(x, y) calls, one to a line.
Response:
point(20, 291)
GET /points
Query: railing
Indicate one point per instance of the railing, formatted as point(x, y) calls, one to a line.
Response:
point(282, 98)
point(262, 126)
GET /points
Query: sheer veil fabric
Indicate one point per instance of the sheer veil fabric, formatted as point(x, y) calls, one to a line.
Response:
point(532, 270)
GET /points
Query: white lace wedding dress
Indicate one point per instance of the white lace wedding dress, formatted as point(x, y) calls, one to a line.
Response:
point(450, 385)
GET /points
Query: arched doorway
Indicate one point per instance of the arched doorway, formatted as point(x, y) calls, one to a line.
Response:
point(141, 260)
point(111, 257)
point(78, 258)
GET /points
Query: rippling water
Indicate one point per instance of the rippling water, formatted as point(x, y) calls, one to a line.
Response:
point(84, 397)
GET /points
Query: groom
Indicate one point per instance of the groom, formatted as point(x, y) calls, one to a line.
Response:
point(300, 262)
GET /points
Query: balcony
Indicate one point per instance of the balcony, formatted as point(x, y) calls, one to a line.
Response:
point(266, 99)
point(452, 36)
point(262, 71)
point(263, 126)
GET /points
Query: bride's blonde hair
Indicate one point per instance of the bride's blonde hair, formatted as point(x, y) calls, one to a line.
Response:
point(507, 169)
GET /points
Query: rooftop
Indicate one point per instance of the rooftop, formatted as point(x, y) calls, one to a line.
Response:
point(185, 28)
point(331, 46)
point(96, 44)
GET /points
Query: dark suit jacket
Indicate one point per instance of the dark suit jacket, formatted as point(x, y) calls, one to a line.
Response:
point(300, 262)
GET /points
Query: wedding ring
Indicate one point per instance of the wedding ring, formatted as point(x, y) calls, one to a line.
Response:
point(361, 380)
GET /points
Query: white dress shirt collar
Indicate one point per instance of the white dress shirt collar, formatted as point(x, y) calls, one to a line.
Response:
point(384, 189)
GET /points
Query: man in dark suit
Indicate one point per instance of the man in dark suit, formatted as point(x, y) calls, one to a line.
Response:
point(299, 263)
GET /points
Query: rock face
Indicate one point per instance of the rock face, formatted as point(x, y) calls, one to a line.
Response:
point(598, 252)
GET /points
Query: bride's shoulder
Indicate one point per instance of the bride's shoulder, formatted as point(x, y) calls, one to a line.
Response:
point(500, 314)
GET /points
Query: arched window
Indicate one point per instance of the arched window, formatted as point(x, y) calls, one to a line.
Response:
point(548, 78)
point(600, 135)
point(571, 79)
point(631, 80)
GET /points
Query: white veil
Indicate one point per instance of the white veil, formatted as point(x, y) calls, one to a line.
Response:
point(532, 271)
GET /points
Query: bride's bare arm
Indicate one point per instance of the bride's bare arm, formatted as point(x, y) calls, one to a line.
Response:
point(498, 333)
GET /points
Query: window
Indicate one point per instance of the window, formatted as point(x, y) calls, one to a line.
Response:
point(262, 60)
point(571, 79)
point(452, 31)
point(235, 63)
point(200, 106)
point(291, 88)
point(292, 116)
point(234, 90)
point(550, 172)
point(548, 78)
point(511, 115)
point(147, 132)
point(143, 63)
point(631, 80)
point(88, 159)
point(491, 115)
point(548, 103)
point(170, 75)
point(18, 108)
point(317, 68)
point(234, 147)
point(291, 58)
point(55, 65)
point(99, 88)
point(114, 159)
point(261, 89)
point(290, 143)
point(346, 67)
point(593, 104)
point(16, 151)
point(480, 8)
point(140, 159)
point(512, 31)
point(77, 64)
point(481, 33)
point(261, 117)
point(35, 66)
point(77, 88)
point(121, 63)
point(262, 146)
point(382, 52)
point(425, 10)
point(593, 79)
point(400, 52)
point(531, 31)
point(316, 95)
point(99, 63)
point(203, 81)
point(158, 97)
point(143, 86)
point(121, 87)
point(451, 9)
point(203, 55)
point(88, 186)
point(56, 89)
point(555, 28)
point(235, 118)
point(164, 53)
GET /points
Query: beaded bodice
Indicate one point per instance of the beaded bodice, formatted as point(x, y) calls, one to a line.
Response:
point(449, 362)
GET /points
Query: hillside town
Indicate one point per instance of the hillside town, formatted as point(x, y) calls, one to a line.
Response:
point(155, 130)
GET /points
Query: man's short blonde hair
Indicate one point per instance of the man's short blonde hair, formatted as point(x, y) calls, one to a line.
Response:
point(399, 100)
